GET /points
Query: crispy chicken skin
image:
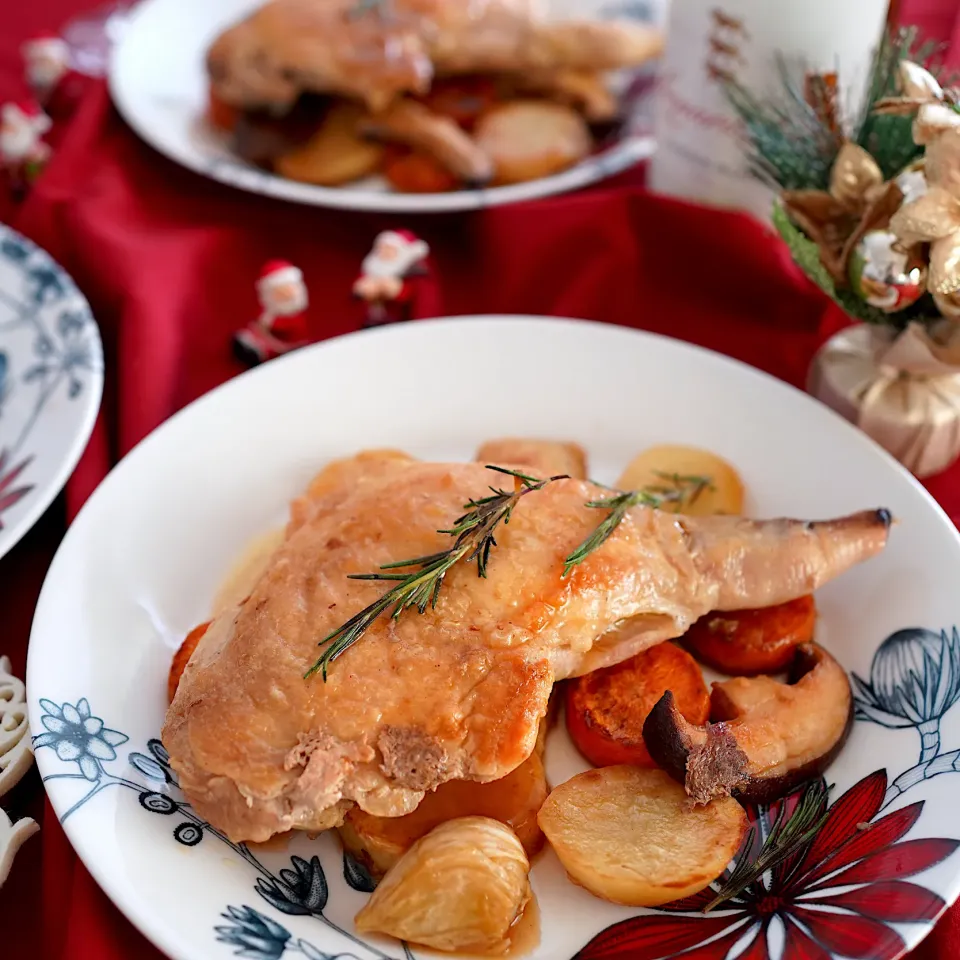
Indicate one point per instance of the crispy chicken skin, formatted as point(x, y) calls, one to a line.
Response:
point(288, 47)
point(459, 691)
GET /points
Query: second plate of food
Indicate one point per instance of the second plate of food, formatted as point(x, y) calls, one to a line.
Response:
point(279, 714)
point(418, 110)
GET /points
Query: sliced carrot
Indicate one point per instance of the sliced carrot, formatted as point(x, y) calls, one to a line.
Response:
point(463, 99)
point(412, 172)
point(605, 710)
point(222, 115)
point(750, 642)
point(181, 657)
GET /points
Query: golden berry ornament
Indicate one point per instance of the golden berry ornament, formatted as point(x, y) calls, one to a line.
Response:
point(883, 275)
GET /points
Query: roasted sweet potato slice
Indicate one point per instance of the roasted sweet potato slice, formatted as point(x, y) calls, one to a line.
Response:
point(220, 114)
point(411, 171)
point(631, 836)
point(182, 657)
point(606, 709)
point(463, 99)
point(750, 642)
point(769, 738)
point(379, 842)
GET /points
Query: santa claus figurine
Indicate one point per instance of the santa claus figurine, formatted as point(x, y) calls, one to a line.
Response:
point(390, 275)
point(57, 87)
point(23, 151)
point(282, 324)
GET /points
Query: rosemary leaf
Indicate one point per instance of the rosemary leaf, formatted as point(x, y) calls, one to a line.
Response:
point(676, 488)
point(420, 587)
point(786, 837)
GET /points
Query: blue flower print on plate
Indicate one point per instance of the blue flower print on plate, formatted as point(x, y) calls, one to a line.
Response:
point(51, 380)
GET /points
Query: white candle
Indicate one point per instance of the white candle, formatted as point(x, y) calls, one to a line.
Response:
point(699, 148)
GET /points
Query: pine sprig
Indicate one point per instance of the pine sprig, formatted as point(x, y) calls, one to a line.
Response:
point(786, 837)
point(788, 145)
point(677, 488)
point(474, 538)
point(792, 146)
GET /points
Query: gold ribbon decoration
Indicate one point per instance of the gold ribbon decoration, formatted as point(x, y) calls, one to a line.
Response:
point(934, 217)
point(901, 389)
point(856, 201)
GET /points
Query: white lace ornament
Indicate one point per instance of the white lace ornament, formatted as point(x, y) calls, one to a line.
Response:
point(16, 755)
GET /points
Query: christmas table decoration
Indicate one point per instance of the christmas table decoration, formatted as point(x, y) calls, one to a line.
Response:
point(51, 76)
point(281, 325)
point(23, 150)
point(16, 756)
point(869, 207)
point(391, 277)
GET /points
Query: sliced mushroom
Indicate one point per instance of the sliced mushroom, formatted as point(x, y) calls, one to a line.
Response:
point(768, 737)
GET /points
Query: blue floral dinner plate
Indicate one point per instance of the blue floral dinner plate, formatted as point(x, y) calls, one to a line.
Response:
point(51, 379)
point(142, 563)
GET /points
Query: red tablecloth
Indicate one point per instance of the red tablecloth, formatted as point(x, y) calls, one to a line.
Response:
point(168, 261)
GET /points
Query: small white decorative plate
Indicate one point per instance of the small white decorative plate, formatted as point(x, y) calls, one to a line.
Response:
point(158, 82)
point(51, 379)
point(141, 563)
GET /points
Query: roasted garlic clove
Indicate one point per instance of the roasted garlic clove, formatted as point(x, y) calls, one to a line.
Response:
point(459, 888)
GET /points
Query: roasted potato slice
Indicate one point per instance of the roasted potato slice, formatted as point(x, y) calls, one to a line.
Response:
point(529, 139)
point(674, 469)
point(335, 154)
point(379, 842)
point(543, 458)
point(630, 836)
point(459, 888)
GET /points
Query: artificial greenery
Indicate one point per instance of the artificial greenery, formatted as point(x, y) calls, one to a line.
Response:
point(889, 138)
point(806, 255)
point(792, 144)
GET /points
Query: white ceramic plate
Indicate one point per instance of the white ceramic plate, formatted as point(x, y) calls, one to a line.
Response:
point(51, 379)
point(139, 567)
point(158, 82)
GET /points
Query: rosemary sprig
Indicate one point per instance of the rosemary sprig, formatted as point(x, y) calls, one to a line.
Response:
point(362, 7)
point(420, 588)
point(786, 837)
point(677, 488)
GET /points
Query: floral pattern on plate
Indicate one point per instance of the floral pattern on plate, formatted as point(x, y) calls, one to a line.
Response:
point(51, 378)
point(836, 895)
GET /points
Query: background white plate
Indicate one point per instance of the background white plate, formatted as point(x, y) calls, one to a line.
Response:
point(51, 379)
point(158, 82)
point(140, 565)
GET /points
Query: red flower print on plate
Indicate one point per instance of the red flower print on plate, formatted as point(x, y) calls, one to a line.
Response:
point(835, 896)
point(8, 497)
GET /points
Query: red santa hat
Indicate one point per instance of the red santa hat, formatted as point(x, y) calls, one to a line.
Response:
point(278, 272)
point(413, 247)
point(21, 113)
point(45, 44)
